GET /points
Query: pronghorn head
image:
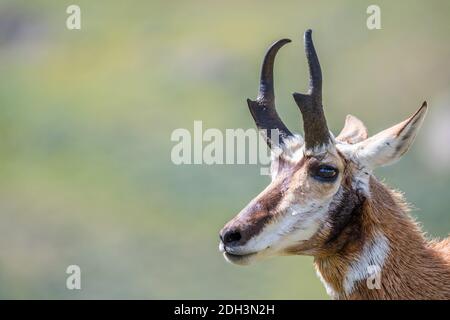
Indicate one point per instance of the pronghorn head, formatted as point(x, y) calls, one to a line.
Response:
point(318, 182)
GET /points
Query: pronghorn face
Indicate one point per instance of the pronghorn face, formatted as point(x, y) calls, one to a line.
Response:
point(290, 211)
point(317, 182)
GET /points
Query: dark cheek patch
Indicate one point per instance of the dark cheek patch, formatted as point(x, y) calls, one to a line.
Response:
point(345, 215)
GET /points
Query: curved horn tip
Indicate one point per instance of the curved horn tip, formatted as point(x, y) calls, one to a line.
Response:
point(278, 44)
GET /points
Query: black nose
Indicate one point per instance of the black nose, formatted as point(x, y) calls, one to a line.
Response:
point(229, 237)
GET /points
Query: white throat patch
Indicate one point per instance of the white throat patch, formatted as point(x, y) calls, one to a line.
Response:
point(373, 254)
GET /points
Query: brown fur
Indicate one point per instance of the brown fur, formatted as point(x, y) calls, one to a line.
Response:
point(414, 269)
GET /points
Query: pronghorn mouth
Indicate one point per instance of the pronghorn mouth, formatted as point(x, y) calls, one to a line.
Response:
point(236, 257)
point(241, 259)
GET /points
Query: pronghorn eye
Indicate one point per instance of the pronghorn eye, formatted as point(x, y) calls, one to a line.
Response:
point(325, 173)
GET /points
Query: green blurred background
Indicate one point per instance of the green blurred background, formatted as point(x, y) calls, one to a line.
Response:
point(86, 118)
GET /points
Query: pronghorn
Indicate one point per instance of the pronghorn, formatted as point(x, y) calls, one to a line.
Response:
point(324, 201)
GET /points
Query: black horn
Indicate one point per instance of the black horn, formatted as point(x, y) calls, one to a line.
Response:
point(263, 109)
point(310, 104)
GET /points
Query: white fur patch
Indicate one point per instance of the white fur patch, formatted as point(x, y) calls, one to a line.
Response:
point(374, 253)
point(298, 223)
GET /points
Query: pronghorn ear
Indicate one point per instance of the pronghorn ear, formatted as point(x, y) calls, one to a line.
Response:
point(354, 131)
point(389, 145)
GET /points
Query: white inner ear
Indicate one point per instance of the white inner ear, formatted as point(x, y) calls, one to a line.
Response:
point(389, 145)
point(382, 149)
point(378, 152)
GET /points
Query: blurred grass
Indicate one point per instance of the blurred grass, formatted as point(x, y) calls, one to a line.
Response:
point(86, 118)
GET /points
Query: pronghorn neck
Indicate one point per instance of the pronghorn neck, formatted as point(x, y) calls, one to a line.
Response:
point(384, 255)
